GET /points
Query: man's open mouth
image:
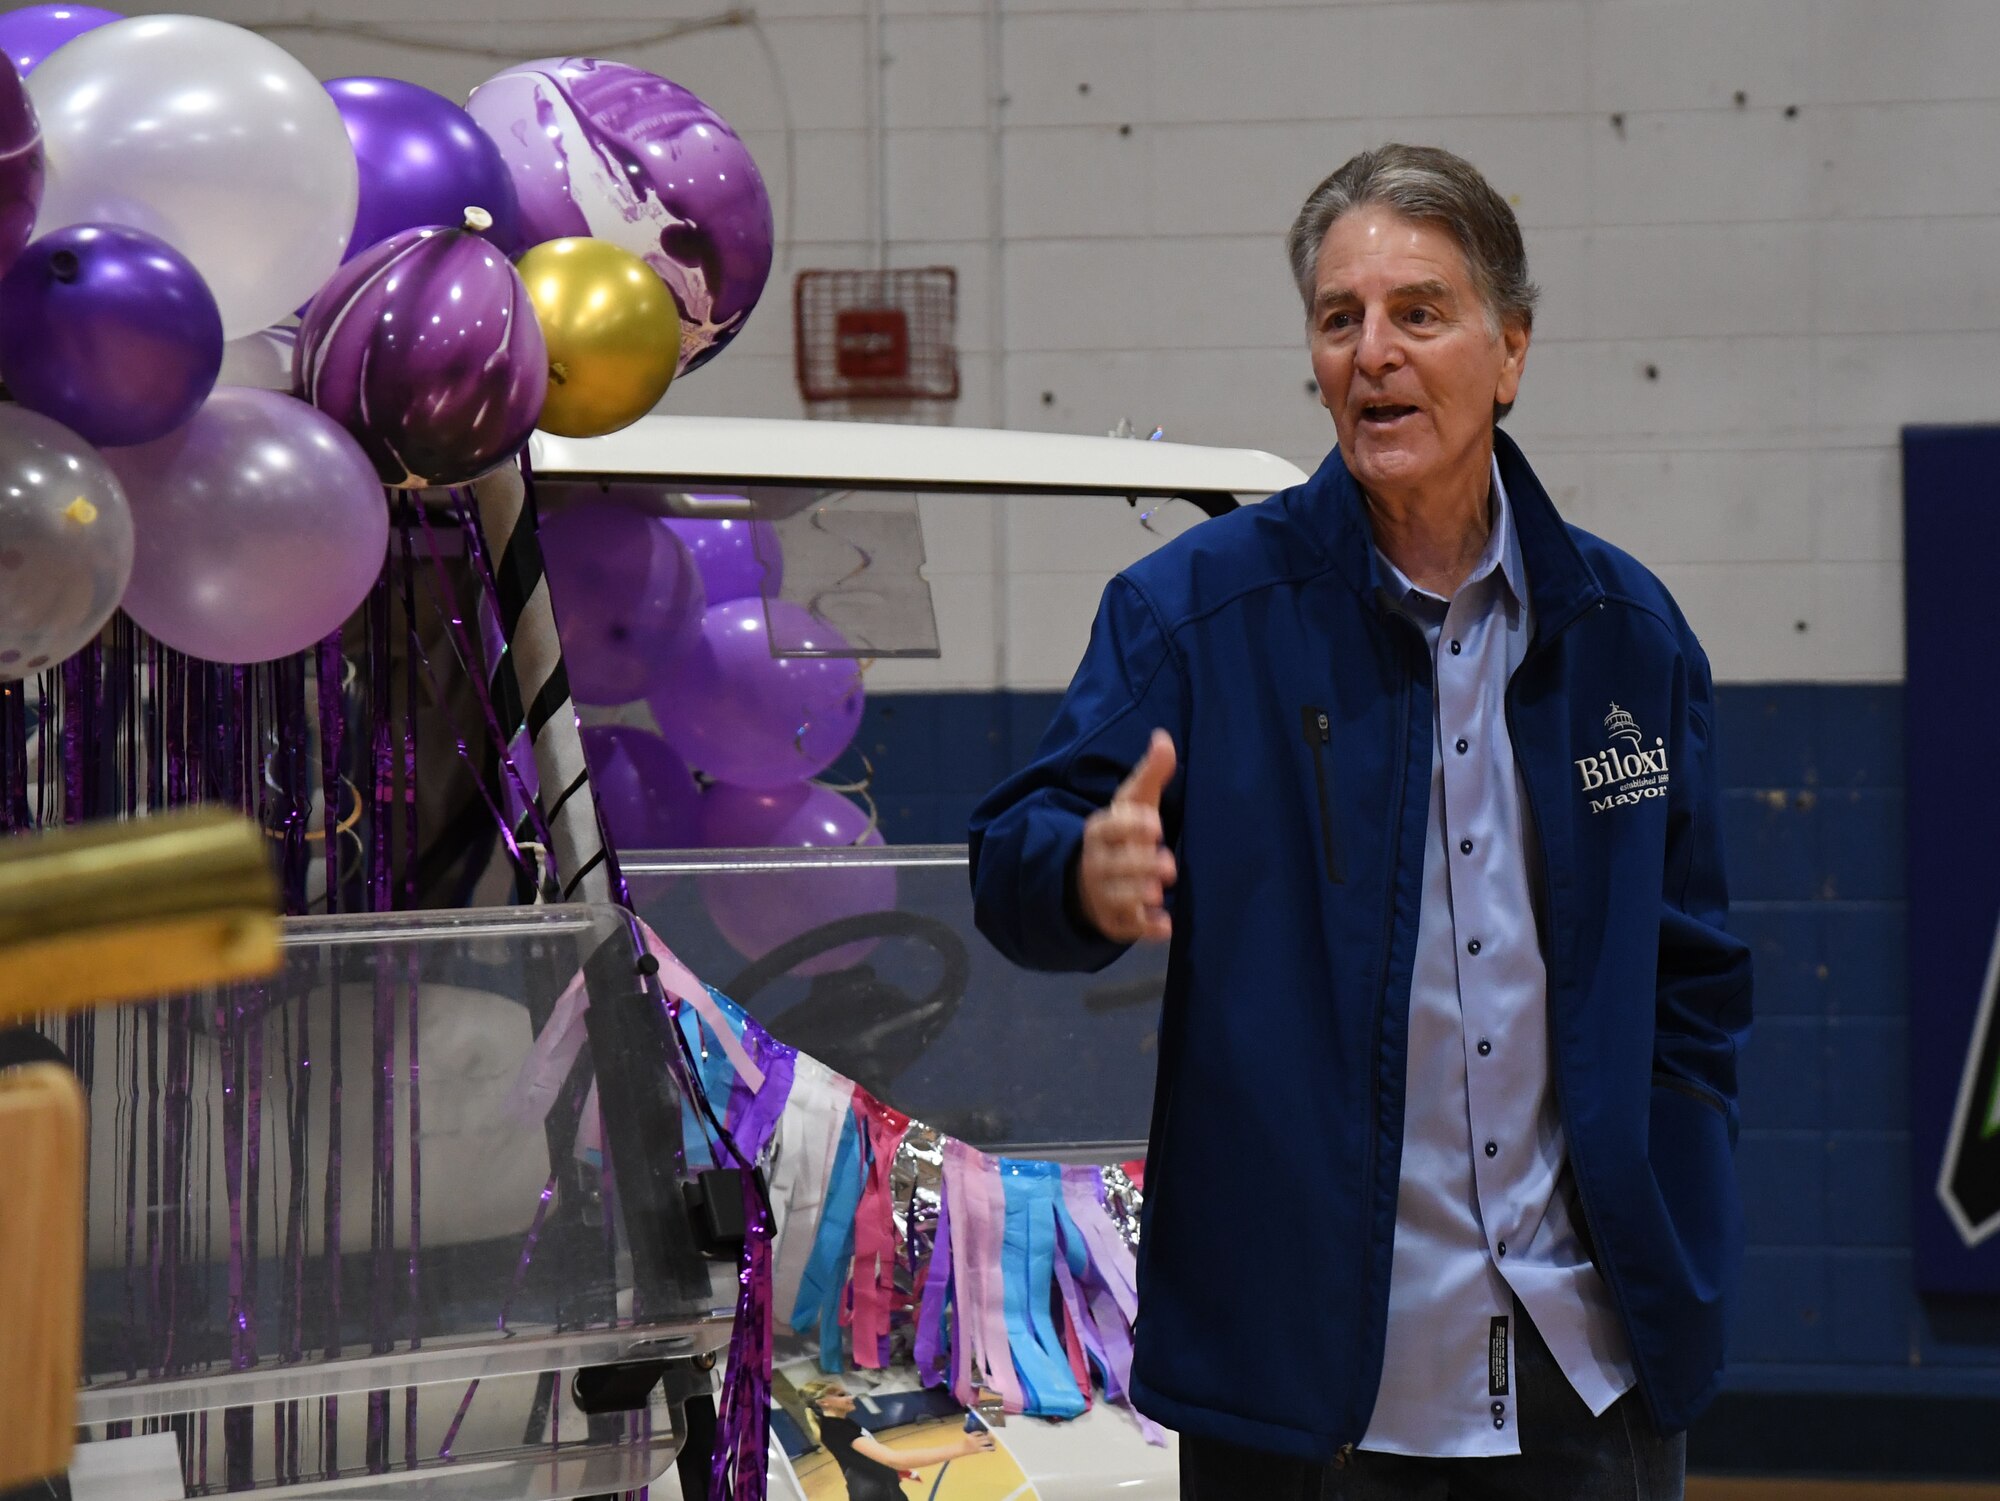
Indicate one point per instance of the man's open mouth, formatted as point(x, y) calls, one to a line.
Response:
point(1382, 413)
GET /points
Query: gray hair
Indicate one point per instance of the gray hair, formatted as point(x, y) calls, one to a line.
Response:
point(1431, 186)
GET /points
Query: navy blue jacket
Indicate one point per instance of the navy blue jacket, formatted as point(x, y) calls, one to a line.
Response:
point(1277, 1117)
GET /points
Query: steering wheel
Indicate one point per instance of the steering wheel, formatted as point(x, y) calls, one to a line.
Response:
point(853, 1020)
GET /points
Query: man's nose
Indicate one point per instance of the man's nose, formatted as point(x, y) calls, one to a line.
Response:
point(1379, 348)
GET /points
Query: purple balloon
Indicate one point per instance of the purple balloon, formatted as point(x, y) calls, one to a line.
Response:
point(628, 600)
point(757, 911)
point(258, 528)
point(744, 716)
point(30, 34)
point(731, 556)
point(427, 350)
point(423, 161)
point(613, 151)
point(21, 170)
point(648, 797)
point(109, 331)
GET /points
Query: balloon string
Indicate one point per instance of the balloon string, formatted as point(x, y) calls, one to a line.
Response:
point(381, 898)
point(485, 684)
point(412, 965)
point(507, 1304)
point(528, 536)
point(445, 600)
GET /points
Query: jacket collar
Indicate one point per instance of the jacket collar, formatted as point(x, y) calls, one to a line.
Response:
point(1560, 583)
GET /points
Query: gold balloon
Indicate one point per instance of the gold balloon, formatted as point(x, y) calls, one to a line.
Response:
point(613, 332)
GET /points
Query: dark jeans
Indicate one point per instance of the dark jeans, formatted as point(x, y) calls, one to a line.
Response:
point(1566, 1455)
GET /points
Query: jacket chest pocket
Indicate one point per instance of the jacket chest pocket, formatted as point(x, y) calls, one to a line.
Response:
point(1317, 726)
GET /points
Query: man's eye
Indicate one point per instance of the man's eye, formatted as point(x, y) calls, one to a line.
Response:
point(1340, 320)
point(1421, 315)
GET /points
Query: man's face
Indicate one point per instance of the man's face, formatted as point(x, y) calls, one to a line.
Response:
point(1405, 359)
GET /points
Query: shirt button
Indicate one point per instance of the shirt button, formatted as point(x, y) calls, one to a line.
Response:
point(1498, 1408)
point(1499, 1422)
point(1454, 648)
point(1463, 747)
point(1465, 846)
point(1503, 1248)
point(1473, 948)
point(1485, 1047)
point(1493, 1149)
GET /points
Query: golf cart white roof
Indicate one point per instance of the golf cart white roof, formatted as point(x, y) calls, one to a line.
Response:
point(861, 455)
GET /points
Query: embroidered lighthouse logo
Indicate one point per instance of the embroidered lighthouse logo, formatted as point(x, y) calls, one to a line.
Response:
point(1624, 772)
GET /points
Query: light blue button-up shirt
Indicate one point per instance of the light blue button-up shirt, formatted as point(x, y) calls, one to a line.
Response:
point(1482, 1211)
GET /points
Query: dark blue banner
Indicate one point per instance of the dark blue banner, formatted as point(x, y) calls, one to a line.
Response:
point(1951, 570)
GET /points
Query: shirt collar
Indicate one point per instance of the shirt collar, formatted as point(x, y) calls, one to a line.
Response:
point(1502, 552)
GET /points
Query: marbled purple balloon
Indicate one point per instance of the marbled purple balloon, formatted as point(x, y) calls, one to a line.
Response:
point(20, 166)
point(620, 154)
point(427, 350)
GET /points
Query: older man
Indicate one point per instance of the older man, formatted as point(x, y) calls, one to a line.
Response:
point(1418, 782)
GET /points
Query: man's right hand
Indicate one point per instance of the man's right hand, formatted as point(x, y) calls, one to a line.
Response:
point(1126, 868)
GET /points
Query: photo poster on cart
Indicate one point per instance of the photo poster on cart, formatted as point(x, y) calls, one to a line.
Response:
point(881, 1436)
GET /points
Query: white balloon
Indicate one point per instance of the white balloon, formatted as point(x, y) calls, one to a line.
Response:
point(210, 137)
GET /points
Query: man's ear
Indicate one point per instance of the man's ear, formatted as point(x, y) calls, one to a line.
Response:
point(1514, 358)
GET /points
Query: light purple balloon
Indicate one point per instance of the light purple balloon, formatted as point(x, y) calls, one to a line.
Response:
point(260, 527)
point(758, 911)
point(624, 155)
point(427, 350)
point(422, 162)
point(743, 716)
point(731, 556)
point(21, 171)
point(30, 34)
point(648, 797)
point(627, 598)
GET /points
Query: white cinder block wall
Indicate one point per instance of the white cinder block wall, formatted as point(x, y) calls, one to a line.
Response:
point(1767, 231)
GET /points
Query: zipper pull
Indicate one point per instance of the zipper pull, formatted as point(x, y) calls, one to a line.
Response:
point(1317, 726)
point(1342, 1456)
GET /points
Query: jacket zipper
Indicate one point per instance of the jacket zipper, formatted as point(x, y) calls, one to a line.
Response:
point(1318, 729)
point(1611, 1277)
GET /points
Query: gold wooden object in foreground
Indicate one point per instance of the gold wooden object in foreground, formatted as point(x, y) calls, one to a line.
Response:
point(41, 1269)
point(89, 915)
point(118, 911)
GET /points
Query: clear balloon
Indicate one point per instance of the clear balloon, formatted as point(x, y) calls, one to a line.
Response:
point(20, 166)
point(744, 716)
point(263, 359)
point(109, 331)
point(260, 527)
point(648, 798)
point(758, 913)
point(30, 34)
point(627, 598)
point(425, 348)
point(615, 152)
point(422, 162)
point(65, 542)
point(737, 559)
point(210, 137)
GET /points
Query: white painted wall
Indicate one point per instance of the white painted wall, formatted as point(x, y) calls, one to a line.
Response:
point(1787, 209)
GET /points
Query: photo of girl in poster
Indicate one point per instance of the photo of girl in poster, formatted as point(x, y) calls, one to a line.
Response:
point(910, 1446)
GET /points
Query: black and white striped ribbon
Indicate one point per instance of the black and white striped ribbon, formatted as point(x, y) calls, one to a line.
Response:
point(531, 686)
